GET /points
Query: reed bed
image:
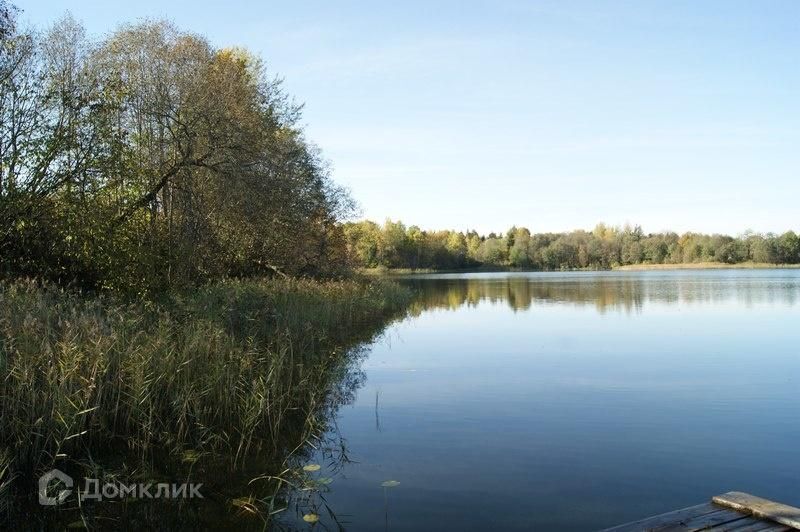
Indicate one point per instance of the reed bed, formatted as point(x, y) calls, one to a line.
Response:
point(229, 369)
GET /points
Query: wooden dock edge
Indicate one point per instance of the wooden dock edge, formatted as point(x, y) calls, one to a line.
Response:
point(761, 508)
point(732, 511)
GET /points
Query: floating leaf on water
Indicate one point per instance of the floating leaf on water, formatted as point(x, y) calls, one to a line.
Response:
point(242, 501)
point(76, 524)
point(390, 483)
point(325, 480)
point(311, 518)
point(245, 504)
point(311, 467)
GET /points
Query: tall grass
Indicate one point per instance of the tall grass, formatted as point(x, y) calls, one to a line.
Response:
point(232, 368)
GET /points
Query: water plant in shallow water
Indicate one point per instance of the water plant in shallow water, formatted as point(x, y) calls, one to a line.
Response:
point(223, 373)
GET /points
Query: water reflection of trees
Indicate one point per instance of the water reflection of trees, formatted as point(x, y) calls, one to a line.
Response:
point(605, 294)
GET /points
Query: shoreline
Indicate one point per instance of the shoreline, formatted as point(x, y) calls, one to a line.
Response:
point(707, 266)
point(624, 268)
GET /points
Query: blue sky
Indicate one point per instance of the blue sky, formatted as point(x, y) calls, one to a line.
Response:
point(555, 115)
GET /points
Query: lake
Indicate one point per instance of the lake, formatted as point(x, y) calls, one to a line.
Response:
point(569, 401)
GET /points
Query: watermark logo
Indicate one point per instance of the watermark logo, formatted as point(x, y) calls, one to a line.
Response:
point(51, 495)
point(48, 497)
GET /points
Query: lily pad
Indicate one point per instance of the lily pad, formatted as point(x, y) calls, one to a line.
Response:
point(325, 480)
point(245, 505)
point(390, 483)
point(242, 501)
point(311, 518)
point(311, 467)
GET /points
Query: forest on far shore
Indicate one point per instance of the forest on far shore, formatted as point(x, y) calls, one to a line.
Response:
point(395, 245)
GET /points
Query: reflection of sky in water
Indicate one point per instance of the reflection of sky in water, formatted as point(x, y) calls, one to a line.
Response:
point(576, 413)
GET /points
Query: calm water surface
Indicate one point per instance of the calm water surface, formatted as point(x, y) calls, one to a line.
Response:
point(572, 401)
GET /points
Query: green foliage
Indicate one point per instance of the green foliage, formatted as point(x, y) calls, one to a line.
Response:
point(393, 246)
point(150, 160)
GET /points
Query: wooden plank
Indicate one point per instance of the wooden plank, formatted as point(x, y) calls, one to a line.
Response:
point(676, 516)
point(775, 511)
point(704, 522)
point(759, 526)
point(748, 524)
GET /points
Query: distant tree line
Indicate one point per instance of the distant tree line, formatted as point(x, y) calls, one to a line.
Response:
point(151, 159)
point(394, 245)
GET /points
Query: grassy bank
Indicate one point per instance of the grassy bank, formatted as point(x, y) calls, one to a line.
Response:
point(229, 370)
point(706, 266)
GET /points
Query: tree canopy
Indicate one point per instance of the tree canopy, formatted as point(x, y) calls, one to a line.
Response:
point(150, 159)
